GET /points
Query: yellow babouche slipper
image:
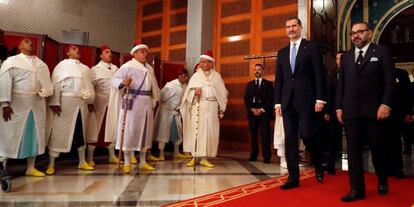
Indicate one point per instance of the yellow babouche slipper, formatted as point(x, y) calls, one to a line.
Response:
point(191, 163)
point(85, 166)
point(127, 169)
point(91, 163)
point(161, 158)
point(134, 160)
point(146, 167)
point(50, 171)
point(181, 155)
point(152, 158)
point(35, 173)
point(206, 163)
point(113, 160)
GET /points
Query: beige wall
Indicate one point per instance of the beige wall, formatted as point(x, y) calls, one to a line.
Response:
point(107, 21)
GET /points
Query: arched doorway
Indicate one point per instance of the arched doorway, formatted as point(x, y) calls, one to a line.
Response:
point(399, 36)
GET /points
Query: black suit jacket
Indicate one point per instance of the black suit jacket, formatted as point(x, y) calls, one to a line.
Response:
point(361, 90)
point(332, 80)
point(307, 84)
point(402, 97)
point(265, 96)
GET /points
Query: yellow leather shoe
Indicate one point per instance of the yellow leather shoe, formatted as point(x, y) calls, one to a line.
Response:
point(134, 160)
point(127, 169)
point(146, 167)
point(152, 158)
point(85, 166)
point(181, 155)
point(191, 163)
point(35, 173)
point(161, 158)
point(50, 171)
point(206, 163)
point(91, 163)
point(113, 160)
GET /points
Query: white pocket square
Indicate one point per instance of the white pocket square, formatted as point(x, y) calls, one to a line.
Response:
point(373, 59)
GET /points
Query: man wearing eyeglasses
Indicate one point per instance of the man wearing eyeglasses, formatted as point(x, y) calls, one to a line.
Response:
point(363, 101)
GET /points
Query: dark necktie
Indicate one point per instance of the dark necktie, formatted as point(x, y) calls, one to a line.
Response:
point(359, 58)
point(256, 92)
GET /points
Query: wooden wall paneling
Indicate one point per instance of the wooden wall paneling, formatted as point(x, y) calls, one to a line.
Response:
point(163, 27)
point(263, 34)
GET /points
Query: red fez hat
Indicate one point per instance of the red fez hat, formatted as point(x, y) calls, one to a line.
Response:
point(104, 47)
point(208, 55)
point(138, 45)
point(68, 48)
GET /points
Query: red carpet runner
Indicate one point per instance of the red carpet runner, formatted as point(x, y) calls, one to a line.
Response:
point(310, 193)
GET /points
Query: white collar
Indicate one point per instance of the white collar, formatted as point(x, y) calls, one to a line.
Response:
point(364, 49)
point(74, 60)
point(105, 63)
point(297, 42)
point(26, 56)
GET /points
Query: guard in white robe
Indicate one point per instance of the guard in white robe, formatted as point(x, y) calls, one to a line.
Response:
point(71, 104)
point(144, 93)
point(204, 103)
point(25, 83)
point(101, 79)
point(168, 124)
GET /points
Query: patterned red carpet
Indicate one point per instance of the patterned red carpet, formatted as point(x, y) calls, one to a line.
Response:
point(310, 194)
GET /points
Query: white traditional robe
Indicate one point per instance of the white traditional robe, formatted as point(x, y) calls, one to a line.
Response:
point(73, 92)
point(170, 100)
point(139, 120)
point(101, 79)
point(279, 137)
point(213, 99)
point(24, 84)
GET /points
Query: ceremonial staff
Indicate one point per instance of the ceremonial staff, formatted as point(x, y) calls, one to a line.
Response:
point(123, 128)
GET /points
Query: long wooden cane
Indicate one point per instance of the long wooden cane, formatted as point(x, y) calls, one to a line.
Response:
point(123, 129)
point(197, 126)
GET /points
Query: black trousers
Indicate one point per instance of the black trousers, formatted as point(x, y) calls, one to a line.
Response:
point(408, 136)
point(261, 122)
point(303, 124)
point(357, 130)
point(394, 144)
point(334, 141)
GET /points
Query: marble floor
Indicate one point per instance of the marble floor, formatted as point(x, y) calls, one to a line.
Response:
point(171, 182)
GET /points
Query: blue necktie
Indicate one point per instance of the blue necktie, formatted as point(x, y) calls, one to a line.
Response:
point(293, 57)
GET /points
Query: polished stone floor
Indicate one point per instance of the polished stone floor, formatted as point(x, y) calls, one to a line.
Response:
point(171, 182)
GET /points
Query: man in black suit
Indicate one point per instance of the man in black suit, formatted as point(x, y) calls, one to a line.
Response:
point(258, 100)
point(401, 114)
point(334, 127)
point(299, 92)
point(363, 101)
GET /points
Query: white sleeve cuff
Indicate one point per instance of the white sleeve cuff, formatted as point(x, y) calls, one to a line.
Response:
point(278, 105)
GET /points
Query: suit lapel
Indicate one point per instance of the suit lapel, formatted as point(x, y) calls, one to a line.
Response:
point(301, 50)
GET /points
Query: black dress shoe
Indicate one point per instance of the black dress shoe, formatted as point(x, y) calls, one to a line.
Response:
point(319, 174)
point(252, 159)
point(382, 189)
point(353, 196)
point(266, 161)
point(289, 185)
